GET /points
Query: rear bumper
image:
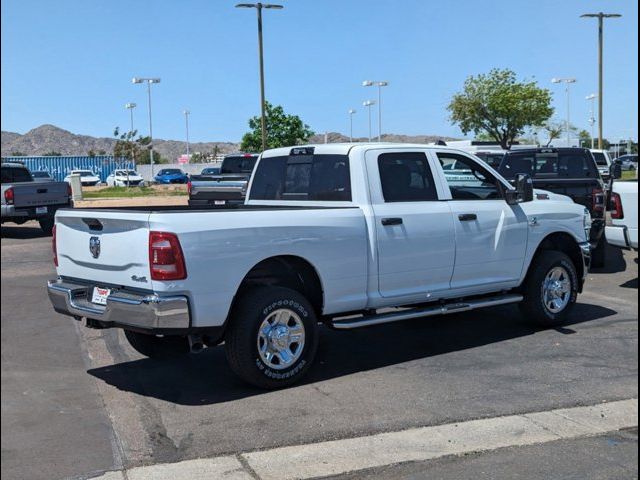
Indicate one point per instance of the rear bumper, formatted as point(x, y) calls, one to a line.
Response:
point(124, 309)
point(622, 236)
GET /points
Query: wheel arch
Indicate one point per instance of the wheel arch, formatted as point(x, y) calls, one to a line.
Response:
point(561, 242)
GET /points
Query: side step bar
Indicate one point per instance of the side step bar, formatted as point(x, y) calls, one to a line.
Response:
point(443, 309)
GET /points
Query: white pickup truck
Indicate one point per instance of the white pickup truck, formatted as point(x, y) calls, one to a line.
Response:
point(622, 227)
point(350, 235)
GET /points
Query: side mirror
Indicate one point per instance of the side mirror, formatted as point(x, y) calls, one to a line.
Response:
point(616, 170)
point(523, 190)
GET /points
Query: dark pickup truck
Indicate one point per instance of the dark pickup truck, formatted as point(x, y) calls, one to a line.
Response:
point(24, 198)
point(567, 171)
point(228, 187)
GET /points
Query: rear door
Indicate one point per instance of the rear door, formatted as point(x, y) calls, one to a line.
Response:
point(490, 235)
point(414, 230)
point(110, 247)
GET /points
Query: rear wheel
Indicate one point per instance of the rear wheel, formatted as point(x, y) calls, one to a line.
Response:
point(153, 346)
point(273, 336)
point(46, 224)
point(551, 289)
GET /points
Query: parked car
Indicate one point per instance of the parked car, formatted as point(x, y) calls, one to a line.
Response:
point(492, 157)
point(42, 176)
point(622, 228)
point(87, 177)
point(25, 198)
point(566, 171)
point(331, 233)
point(229, 187)
point(171, 175)
point(124, 178)
point(628, 162)
point(210, 171)
point(604, 162)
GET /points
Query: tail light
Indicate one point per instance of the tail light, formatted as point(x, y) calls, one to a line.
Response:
point(617, 212)
point(598, 200)
point(54, 246)
point(189, 187)
point(165, 257)
point(9, 196)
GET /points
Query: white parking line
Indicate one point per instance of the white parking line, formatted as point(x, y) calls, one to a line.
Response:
point(417, 444)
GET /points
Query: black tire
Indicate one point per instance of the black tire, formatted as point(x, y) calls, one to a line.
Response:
point(242, 337)
point(599, 254)
point(46, 224)
point(534, 307)
point(152, 346)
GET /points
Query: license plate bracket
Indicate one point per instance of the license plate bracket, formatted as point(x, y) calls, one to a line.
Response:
point(99, 295)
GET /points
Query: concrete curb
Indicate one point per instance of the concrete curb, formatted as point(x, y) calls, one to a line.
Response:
point(417, 444)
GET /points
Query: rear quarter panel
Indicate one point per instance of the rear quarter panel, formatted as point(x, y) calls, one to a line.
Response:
point(220, 248)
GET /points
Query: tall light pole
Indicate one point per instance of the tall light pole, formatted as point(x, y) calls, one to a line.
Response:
point(379, 84)
point(148, 81)
point(567, 82)
point(131, 106)
point(259, 7)
point(600, 16)
point(186, 121)
point(369, 104)
point(592, 118)
point(352, 112)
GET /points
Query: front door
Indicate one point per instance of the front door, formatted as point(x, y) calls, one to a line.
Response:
point(491, 235)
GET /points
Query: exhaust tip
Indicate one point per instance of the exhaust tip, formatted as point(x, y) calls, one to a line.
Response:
point(196, 345)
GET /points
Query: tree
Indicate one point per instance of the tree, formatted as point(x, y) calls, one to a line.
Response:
point(283, 130)
point(52, 153)
point(584, 138)
point(18, 154)
point(134, 149)
point(553, 130)
point(498, 104)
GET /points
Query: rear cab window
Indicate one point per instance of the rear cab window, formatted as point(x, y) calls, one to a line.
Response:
point(302, 176)
point(549, 165)
point(16, 175)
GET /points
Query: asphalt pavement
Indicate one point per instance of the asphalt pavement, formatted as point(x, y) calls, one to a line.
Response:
point(77, 401)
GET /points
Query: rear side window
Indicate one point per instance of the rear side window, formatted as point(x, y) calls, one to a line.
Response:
point(601, 160)
point(406, 177)
point(239, 164)
point(304, 178)
point(549, 165)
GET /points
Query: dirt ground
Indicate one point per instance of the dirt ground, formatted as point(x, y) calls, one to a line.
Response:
point(133, 202)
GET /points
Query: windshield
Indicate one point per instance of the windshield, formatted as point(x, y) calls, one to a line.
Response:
point(170, 171)
point(239, 164)
point(548, 165)
point(40, 174)
point(601, 159)
point(124, 173)
point(85, 173)
point(210, 171)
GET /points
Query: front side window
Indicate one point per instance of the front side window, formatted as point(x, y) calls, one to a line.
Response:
point(303, 178)
point(468, 180)
point(406, 177)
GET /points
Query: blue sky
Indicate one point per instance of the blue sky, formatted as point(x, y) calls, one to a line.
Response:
point(70, 62)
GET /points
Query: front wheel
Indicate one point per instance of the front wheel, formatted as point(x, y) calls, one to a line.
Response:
point(551, 289)
point(273, 337)
point(153, 346)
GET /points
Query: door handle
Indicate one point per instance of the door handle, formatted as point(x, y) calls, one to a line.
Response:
point(389, 222)
point(467, 217)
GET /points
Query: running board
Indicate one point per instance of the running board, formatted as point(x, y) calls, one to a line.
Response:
point(443, 309)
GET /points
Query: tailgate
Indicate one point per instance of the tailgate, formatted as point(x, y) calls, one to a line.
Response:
point(37, 194)
point(107, 247)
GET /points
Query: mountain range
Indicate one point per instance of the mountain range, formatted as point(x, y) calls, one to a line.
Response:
point(49, 138)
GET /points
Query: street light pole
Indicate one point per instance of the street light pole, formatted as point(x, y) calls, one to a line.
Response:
point(130, 106)
point(263, 120)
point(592, 120)
point(369, 104)
point(186, 121)
point(600, 16)
point(567, 82)
point(351, 113)
point(379, 84)
point(148, 81)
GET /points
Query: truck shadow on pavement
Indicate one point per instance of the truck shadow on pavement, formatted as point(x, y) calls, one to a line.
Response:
point(615, 262)
point(23, 232)
point(206, 379)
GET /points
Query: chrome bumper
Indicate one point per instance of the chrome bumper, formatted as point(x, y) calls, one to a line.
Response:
point(585, 248)
point(143, 311)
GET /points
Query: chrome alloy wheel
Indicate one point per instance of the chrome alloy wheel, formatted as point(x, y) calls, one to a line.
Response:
point(556, 290)
point(281, 339)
